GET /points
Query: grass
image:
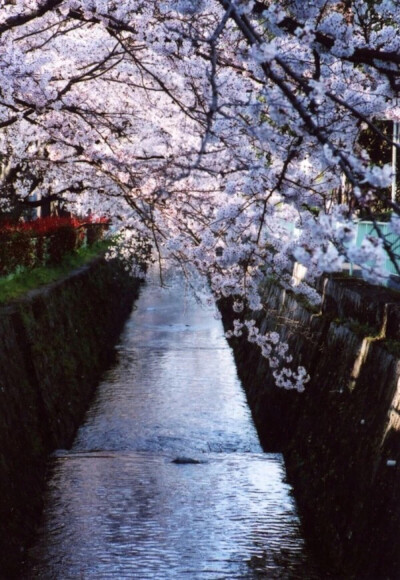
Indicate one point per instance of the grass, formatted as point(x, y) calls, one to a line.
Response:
point(392, 346)
point(16, 285)
point(362, 329)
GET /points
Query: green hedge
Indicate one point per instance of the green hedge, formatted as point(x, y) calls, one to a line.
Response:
point(45, 242)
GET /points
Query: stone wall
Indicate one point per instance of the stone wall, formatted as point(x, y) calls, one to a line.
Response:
point(54, 345)
point(340, 438)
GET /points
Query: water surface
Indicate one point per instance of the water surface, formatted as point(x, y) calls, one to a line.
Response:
point(118, 506)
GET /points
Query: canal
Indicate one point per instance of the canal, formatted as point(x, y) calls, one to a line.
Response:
point(166, 478)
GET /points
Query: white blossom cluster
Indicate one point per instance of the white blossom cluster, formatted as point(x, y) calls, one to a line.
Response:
point(275, 351)
point(227, 133)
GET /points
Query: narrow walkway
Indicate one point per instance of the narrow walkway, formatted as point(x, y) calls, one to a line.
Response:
point(166, 479)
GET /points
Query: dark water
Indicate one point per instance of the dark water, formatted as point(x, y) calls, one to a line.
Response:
point(119, 507)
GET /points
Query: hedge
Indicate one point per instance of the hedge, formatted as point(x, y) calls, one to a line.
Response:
point(45, 241)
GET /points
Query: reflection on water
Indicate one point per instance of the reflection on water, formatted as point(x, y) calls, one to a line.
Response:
point(117, 504)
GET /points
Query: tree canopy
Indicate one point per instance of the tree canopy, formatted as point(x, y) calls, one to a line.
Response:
point(211, 127)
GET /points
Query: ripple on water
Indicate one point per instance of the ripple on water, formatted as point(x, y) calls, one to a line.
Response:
point(139, 515)
point(119, 507)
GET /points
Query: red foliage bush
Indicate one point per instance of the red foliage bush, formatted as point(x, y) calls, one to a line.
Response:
point(61, 241)
point(95, 232)
point(46, 240)
point(16, 250)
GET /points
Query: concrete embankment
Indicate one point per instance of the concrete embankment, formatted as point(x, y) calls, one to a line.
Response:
point(340, 438)
point(54, 345)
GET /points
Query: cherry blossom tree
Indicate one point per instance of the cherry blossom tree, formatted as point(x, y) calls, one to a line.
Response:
point(211, 127)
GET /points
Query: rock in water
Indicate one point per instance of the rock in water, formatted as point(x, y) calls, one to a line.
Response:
point(185, 460)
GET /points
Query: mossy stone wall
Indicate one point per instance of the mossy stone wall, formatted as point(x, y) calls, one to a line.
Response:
point(54, 345)
point(341, 437)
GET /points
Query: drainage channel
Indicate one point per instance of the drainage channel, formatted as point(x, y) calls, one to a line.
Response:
point(166, 478)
